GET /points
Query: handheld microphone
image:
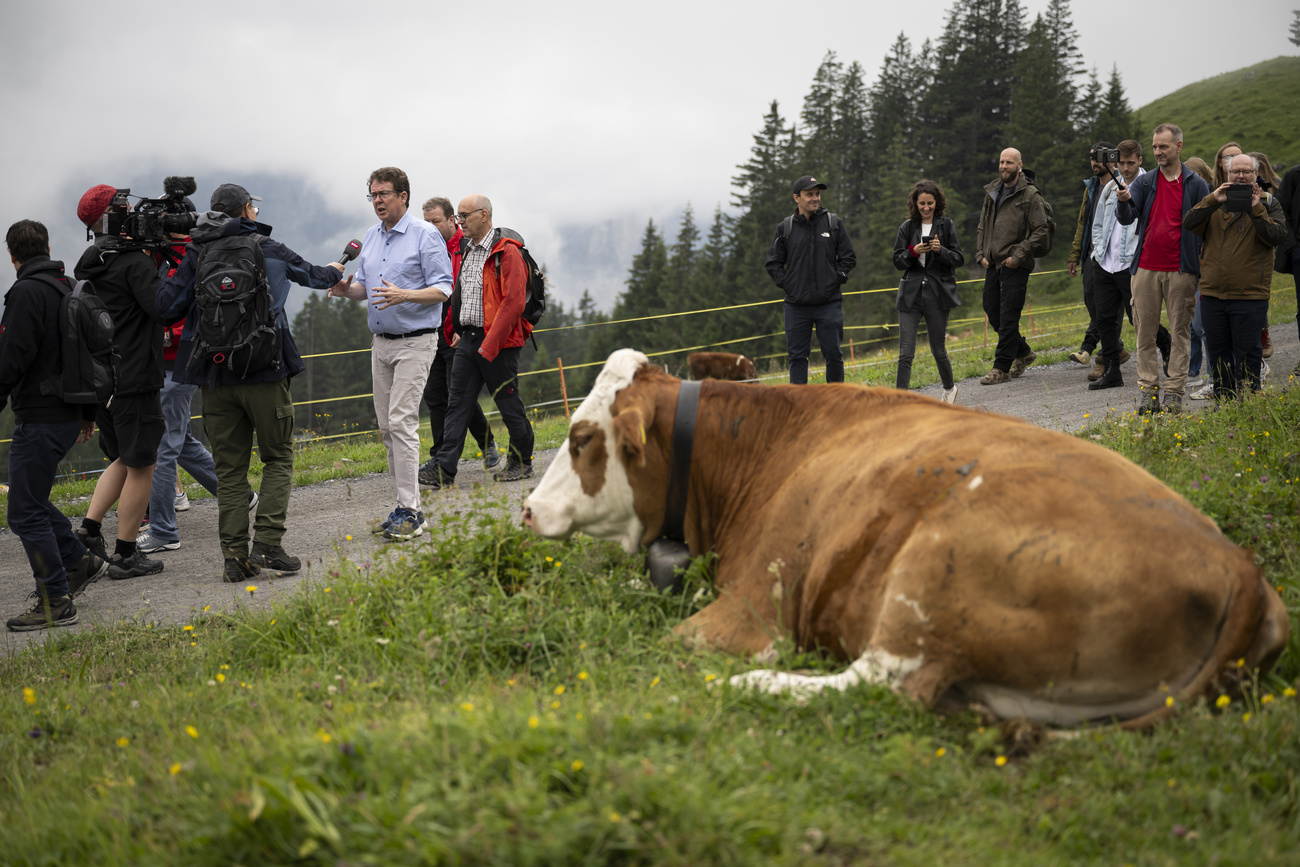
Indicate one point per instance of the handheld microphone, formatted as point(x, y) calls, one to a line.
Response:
point(350, 251)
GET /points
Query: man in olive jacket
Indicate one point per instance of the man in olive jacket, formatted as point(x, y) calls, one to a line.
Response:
point(1236, 275)
point(1013, 222)
point(810, 259)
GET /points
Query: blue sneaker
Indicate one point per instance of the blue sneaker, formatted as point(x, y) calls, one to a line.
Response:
point(388, 522)
point(406, 525)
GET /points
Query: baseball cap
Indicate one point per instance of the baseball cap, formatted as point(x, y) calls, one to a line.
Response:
point(228, 197)
point(807, 182)
point(94, 203)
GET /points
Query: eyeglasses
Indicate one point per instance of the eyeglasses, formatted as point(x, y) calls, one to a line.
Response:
point(381, 195)
point(466, 215)
point(1241, 173)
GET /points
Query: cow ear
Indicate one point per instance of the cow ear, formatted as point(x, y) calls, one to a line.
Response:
point(629, 433)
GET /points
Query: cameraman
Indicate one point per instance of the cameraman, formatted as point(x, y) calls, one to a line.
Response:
point(131, 424)
point(1236, 273)
point(1081, 261)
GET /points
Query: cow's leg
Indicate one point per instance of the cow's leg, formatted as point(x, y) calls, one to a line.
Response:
point(875, 666)
point(735, 623)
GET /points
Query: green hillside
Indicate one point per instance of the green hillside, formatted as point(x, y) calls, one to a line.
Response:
point(1257, 106)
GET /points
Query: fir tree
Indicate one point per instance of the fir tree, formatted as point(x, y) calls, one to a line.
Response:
point(1115, 121)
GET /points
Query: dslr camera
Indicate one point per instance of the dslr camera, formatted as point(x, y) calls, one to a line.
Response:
point(1105, 156)
point(150, 223)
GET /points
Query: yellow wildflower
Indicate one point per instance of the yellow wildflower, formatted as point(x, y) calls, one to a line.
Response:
point(121, 742)
point(533, 722)
point(175, 768)
point(192, 732)
point(1222, 701)
point(582, 675)
point(940, 753)
point(577, 765)
point(559, 690)
point(1000, 761)
point(29, 695)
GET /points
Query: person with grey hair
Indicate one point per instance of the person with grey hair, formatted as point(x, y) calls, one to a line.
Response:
point(1236, 274)
point(404, 273)
point(1166, 266)
point(487, 314)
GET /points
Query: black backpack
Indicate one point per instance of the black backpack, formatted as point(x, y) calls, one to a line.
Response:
point(87, 351)
point(234, 323)
point(534, 292)
point(787, 225)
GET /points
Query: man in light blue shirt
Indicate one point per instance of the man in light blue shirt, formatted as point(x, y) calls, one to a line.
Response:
point(404, 273)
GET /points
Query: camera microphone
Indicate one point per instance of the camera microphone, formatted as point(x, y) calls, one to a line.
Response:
point(350, 251)
point(185, 186)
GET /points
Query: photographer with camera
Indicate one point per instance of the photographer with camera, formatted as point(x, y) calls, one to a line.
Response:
point(230, 290)
point(1240, 225)
point(124, 271)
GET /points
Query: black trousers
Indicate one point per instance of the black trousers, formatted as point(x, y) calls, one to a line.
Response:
point(1004, 298)
point(46, 534)
point(936, 326)
point(1113, 298)
point(1232, 338)
point(469, 373)
point(437, 389)
point(1088, 270)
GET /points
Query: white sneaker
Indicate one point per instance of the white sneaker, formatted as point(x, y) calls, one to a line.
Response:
point(182, 502)
point(1263, 372)
point(252, 501)
point(1205, 393)
point(950, 394)
point(1196, 382)
point(145, 543)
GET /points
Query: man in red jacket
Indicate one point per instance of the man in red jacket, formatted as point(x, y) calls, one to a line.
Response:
point(487, 315)
point(439, 212)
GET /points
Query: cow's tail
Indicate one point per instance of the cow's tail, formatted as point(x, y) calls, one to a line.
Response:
point(1250, 636)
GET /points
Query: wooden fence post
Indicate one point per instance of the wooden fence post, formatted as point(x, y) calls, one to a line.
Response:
point(852, 357)
point(564, 392)
point(986, 331)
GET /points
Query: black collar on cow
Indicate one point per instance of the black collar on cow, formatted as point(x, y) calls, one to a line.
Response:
point(679, 476)
point(669, 555)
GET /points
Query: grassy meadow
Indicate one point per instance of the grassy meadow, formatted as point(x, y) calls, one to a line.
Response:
point(496, 698)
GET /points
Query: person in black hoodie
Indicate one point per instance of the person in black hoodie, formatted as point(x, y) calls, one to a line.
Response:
point(810, 259)
point(131, 424)
point(45, 429)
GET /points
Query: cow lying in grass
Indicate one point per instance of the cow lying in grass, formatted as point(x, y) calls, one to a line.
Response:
point(720, 365)
point(937, 548)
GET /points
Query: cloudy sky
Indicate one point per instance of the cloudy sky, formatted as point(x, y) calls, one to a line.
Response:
point(580, 120)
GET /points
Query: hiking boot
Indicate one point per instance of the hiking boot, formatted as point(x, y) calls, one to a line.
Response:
point(1018, 366)
point(491, 457)
point(1098, 368)
point(58, 611)
point(1081, 357)
point(994, 377)
point(1266, 343)
point(88, 570)
point(1111, 378)
point(120, 568)
point(145, 543)
point(1172, 404)
point(239, 569)
point(1124, 356)
point(950, 394)
point(182, 502)
point(1148, 402)
point(515, 471)
point(406, 525)
point(94, 542)
point(1205, 393)
point(273, 558)
point(429, 475)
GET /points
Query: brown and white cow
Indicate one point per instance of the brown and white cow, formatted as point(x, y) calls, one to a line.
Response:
point(730, 366)
point(938, 548)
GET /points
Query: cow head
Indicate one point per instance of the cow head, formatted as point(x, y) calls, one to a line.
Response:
point(590, 484)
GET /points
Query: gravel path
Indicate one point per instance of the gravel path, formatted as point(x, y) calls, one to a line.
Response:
point(322, 517)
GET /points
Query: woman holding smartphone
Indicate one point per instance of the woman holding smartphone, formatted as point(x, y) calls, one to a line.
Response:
point(928, 253)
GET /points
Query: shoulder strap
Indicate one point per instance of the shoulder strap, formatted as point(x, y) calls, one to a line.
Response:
point(63, 288)
point(786, 226)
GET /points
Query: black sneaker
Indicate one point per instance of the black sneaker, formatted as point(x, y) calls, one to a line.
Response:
point(137, 564)
point(94, 543)
point(274, 558)
point(491, 457)
point(88, 570)
point(58, 611)
point(428, 475)
point(515, 471)
point(240, 569)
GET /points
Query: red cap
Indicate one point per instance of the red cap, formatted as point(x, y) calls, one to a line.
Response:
point(94, 203)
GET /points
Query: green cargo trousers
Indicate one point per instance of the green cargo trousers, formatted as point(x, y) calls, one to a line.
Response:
point(231, 413)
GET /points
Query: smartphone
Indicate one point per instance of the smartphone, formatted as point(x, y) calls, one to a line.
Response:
point(1239, 196)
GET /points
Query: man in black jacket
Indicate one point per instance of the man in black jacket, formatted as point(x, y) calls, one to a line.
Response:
point(810, 259)
point(131, 425)
point(45, 429)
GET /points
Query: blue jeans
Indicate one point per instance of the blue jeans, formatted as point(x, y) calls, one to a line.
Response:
point(46, 534)
point(1232, 338)
point(1198, 335)
point(178, 446)
point(799, 322)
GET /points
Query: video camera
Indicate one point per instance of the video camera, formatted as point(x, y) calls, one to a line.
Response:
point(150, 224)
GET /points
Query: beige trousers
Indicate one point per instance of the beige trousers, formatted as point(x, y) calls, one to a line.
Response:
point(399, 369)
point(1177, 291)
